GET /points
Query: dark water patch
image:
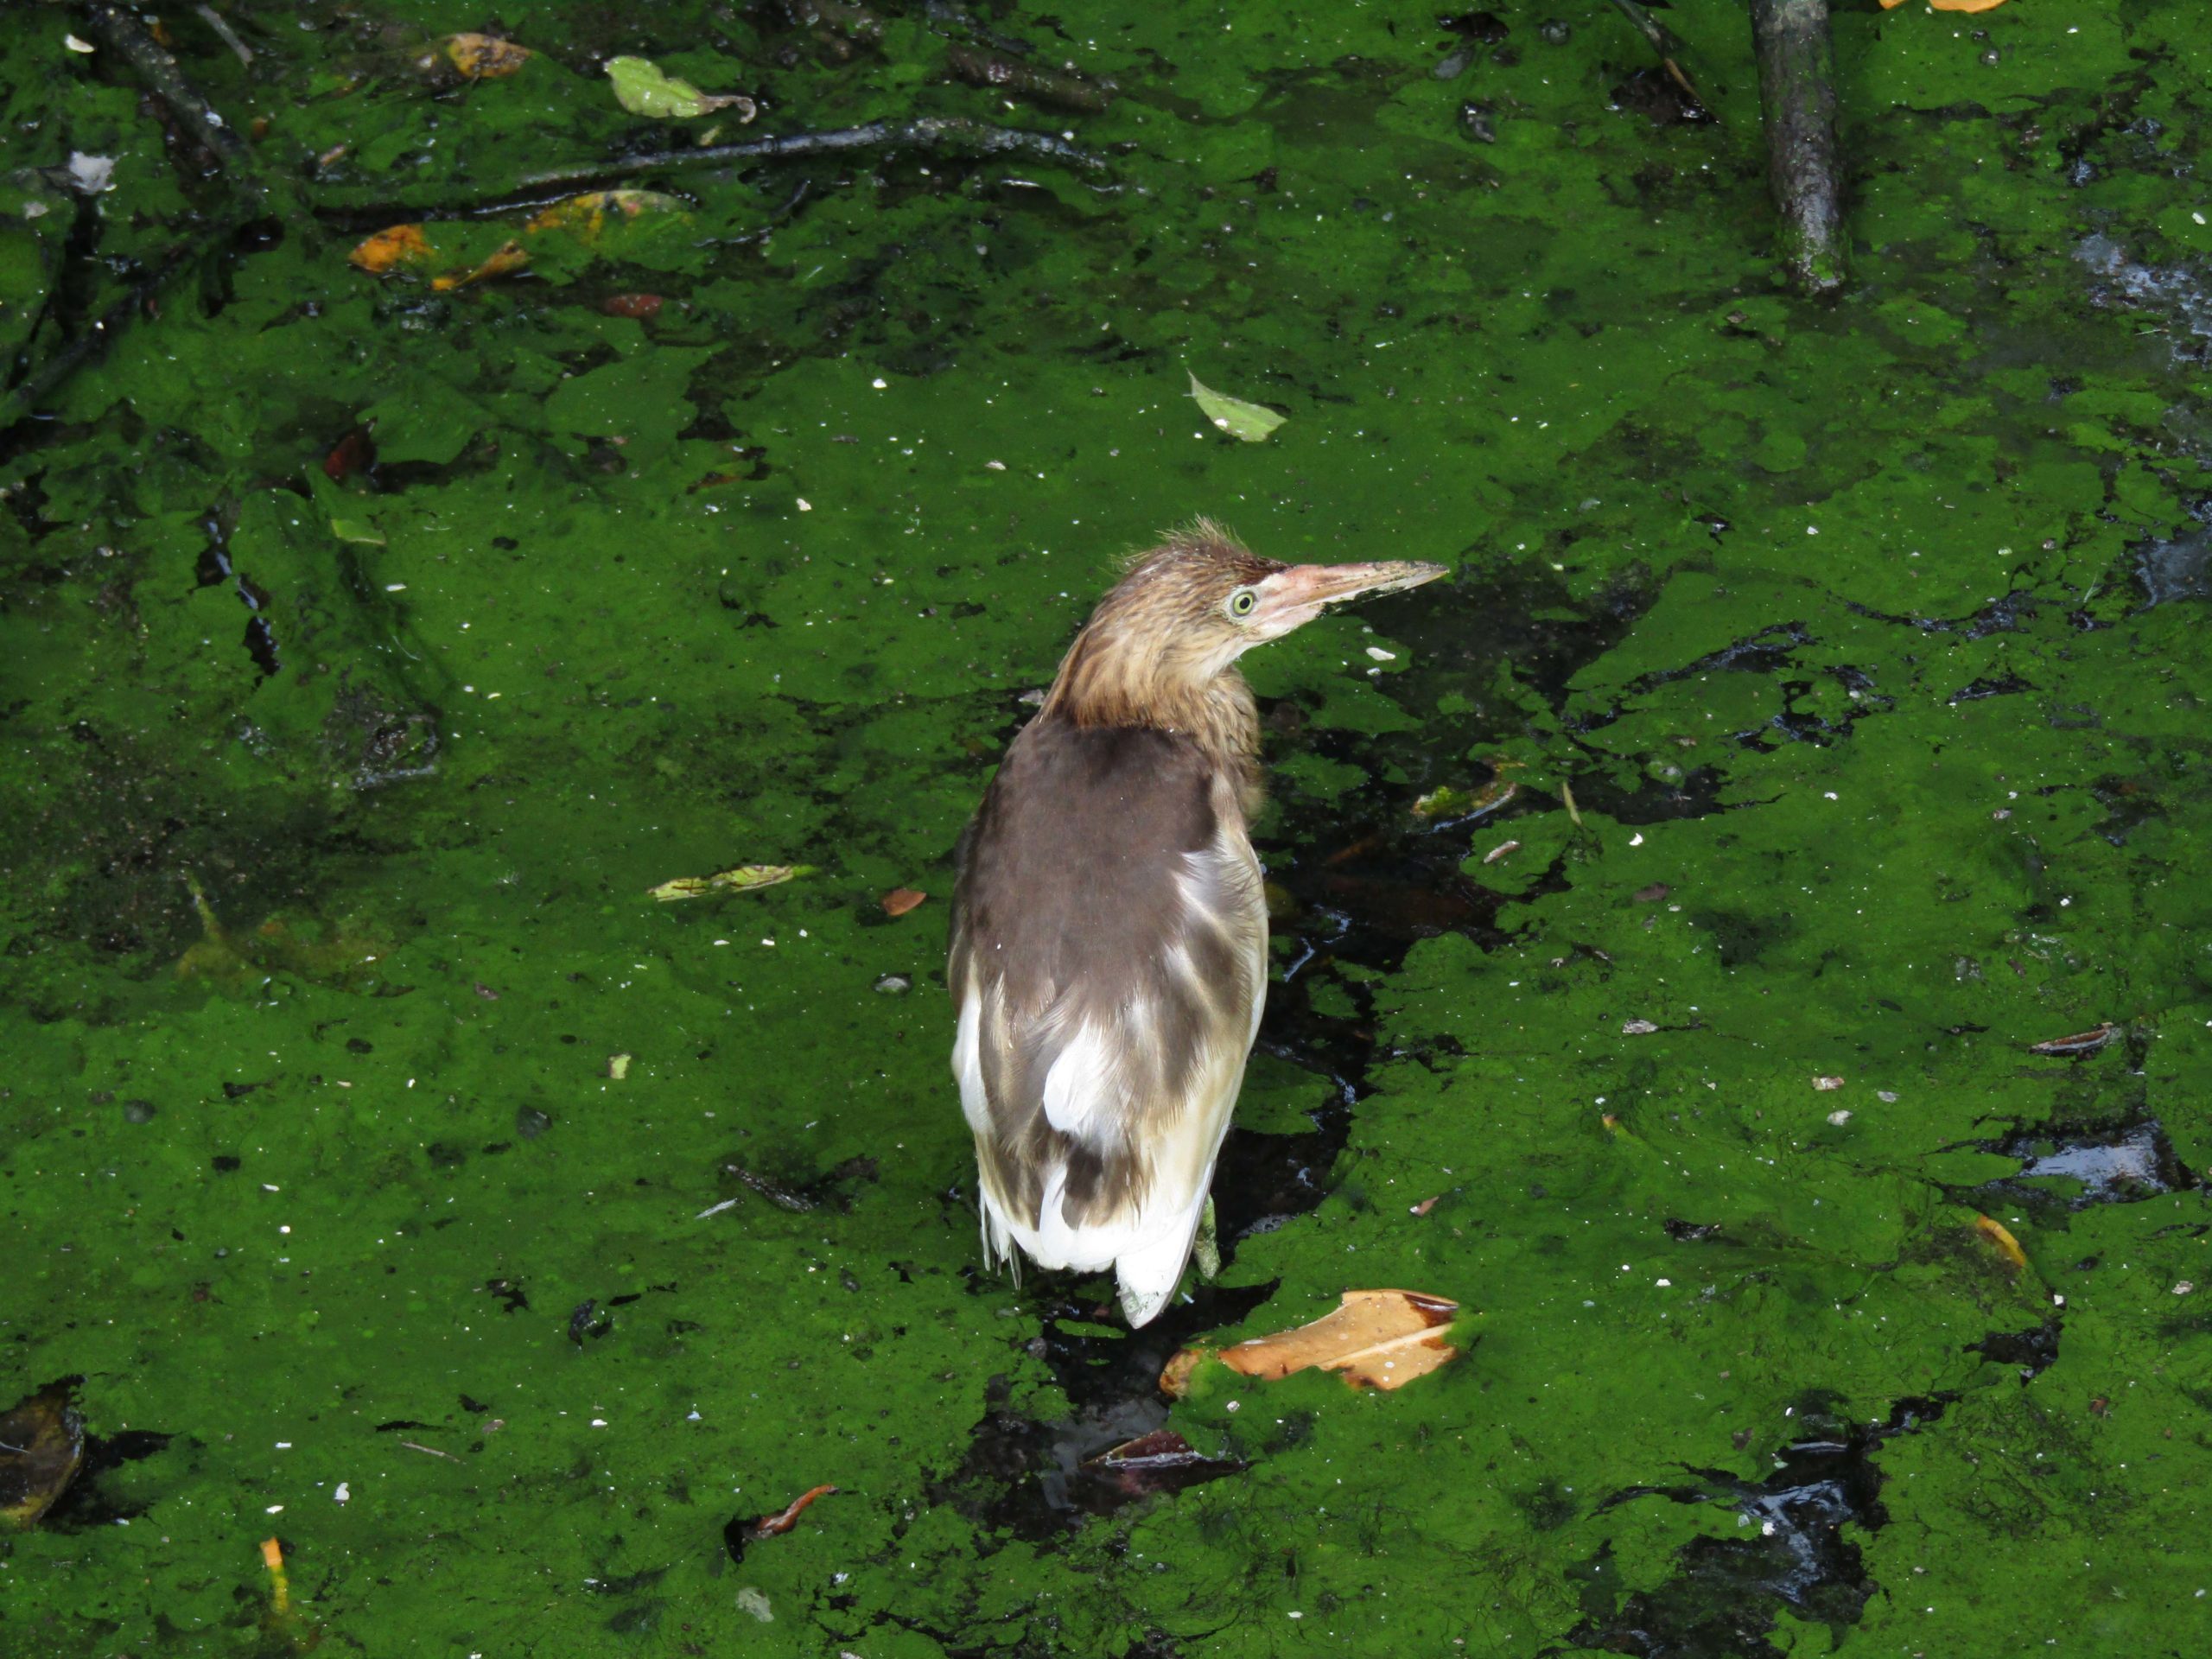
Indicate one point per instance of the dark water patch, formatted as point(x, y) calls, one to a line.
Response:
point(87, 1503)
point(1040, 1480)
point(2123, 1164)
point(2030, 1352)
point(2178, 294)
point(2179, 570)
point(1726, 1593)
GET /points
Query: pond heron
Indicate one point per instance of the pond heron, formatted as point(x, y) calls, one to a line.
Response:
point(1109, 952)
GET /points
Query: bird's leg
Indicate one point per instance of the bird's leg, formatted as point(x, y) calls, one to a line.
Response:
point(1206, 1248)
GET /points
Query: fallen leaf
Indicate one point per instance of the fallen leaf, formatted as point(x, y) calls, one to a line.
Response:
point(1446, 801)
point(785, 1519)
point(643, 87)
point(355, 530)
point(1637, 1027)
point(2007, 1246)
point(391, 249)
point(586, 216)
point(507, 257)
point(1652, 894)
point(1162, 1461)
point(618, 1066)
point(41, 1442)
point(1377, 1339)
point(1826, 1084)
point(1251, 422)
point(2081, 1042)
point(280, 1588)
point(900, 901)
point(743, 879)
point(485, 57)
point(643, 307)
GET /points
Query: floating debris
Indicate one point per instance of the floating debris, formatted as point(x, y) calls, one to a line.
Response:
point(1377, 1339)
point(2081, 1042)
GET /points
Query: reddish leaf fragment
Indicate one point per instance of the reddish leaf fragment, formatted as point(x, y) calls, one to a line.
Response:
point(1162, 1461)
point(2081, 1042)
point(354, 453)
point(644, 306)
point(1652, 894)
point(900, 901)
point(784, 1520)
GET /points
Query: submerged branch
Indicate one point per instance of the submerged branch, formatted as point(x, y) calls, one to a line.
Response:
point(1666, 43)
point(127, 38)
point(1797, 98)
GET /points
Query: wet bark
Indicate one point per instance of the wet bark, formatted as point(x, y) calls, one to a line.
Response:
point(1797, 99)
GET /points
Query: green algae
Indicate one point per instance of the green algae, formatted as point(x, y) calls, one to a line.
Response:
point(1828, 616)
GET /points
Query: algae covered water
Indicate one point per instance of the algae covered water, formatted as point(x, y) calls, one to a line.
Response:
point(1744, 939)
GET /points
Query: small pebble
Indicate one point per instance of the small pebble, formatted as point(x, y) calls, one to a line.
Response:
point(1553, 31)
point(138, 1111)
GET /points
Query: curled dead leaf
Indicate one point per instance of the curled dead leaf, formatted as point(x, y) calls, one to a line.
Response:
point(485, 57)
point(391, 249)
point(41, 1443)
point(1377, 1339)
point(900, 901)
point(743, 879)
point(2081, 1042)
point(507, 257)
point(2001, 1238)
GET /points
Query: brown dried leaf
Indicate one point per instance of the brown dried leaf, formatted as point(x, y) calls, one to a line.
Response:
point(485, 57)
point(42, 1441)
point(1377, 1339)
point(2081, 1042)
point(900, 901)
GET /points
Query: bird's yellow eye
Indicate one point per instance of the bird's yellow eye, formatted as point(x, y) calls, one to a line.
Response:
point(1243, 602)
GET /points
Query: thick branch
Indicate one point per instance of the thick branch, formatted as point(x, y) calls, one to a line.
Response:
point(1797, 97)
point(127, 38)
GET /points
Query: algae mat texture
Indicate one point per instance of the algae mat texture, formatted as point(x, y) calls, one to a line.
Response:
point(373, 646)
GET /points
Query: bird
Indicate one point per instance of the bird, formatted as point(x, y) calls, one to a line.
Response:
point(1108, 946)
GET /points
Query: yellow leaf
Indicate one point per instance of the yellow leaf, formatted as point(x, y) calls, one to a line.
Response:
point(390, 248)
point(586, 216)
point(1377, 1339)
point(2007, 1246)
point(485, 57)
point(506, 257)
point(41, 1442)
point(743, 879)
point(1964, 5)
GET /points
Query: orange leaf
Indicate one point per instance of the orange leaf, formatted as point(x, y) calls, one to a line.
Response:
point(508, 256)
point(1964, 5)
point(485, 57)
point(2007, 1246)
point(900, 901)
point(388, 250)
point(586, 215)
point(1377, 1339)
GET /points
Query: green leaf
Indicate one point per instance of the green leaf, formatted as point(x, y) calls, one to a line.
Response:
point(643, 87)
point(1251, 422)
point(354, 529)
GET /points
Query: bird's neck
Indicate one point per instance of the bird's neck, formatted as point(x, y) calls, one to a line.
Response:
point(1100, 687)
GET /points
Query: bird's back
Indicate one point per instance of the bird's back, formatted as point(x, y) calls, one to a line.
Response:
point(1108, 963)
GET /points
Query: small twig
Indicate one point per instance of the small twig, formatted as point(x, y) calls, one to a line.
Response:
point(224, 33)
point(925, 132)
point(432, 1451)
point(1666, 43)
point(770, 1526)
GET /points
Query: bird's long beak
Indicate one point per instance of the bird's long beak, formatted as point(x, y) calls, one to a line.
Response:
point(1297, 594)
point(1316, 585)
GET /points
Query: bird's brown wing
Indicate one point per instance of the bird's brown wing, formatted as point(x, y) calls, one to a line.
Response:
point(1107, 961)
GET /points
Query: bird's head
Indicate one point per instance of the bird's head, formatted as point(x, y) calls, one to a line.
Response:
point(1187, 609)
